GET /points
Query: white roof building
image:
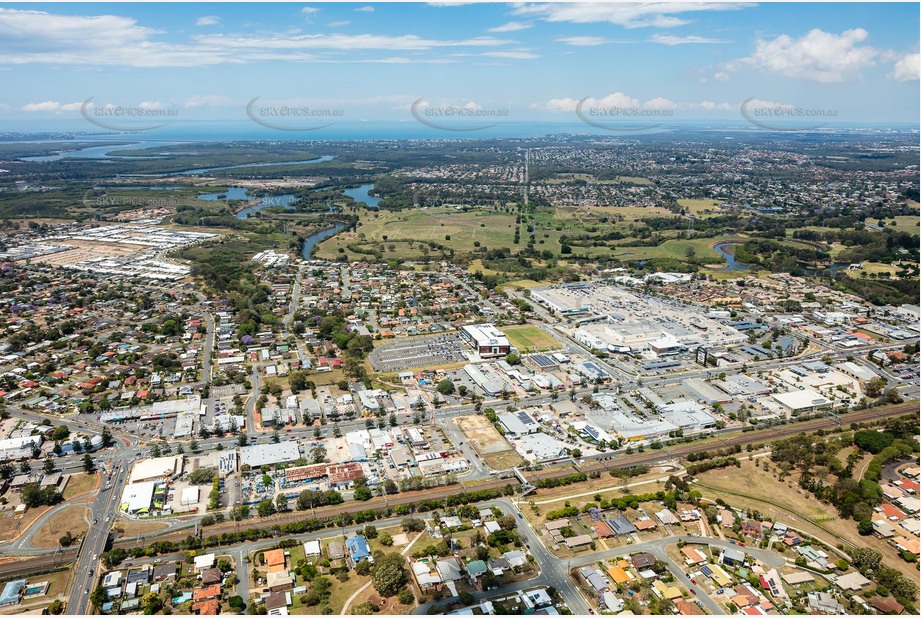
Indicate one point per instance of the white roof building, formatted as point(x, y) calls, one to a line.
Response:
point(259, 455)
point(137, 497)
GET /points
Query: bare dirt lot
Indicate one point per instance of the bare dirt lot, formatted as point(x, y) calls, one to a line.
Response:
point(482, 434)
point(496, 452)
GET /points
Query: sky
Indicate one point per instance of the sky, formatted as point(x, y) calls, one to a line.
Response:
point(301, 66)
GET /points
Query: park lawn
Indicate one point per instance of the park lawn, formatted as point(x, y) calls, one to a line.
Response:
point(677, 249)
point(81, 483)
point(872, 268)
point(70, 520)
point(907, 223)
point(528, 338)
point(634, 180)
point(57, 582)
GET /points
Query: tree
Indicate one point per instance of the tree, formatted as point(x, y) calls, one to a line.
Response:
point(363, 567)
point(406, 596)
point(445, 387)
point(465, 598)
point(362, 493)
point(512, 359)
point(151, 603)
point(56, 607)
point(385, 539)
point(242, 439)
point(265, 507)
point(389, 574)
point(48, 465)
point(865, 527)
point(98, 597)
point(318, 454)
point(411, 524)
point(507, 522)
point(88, 466)
point(106, 437)
point(874, 387)
point(236, 603)
point(281, 502)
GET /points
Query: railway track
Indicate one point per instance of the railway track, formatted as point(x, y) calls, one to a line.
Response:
point(36, 564)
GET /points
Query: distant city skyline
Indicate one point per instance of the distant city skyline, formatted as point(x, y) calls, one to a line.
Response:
point(302, 66)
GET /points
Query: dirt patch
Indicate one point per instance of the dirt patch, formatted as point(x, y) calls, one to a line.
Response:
point(503, 460)
point(482, 435)
point(79, 484)
point(69, 520)
point(136, 527)
point(11, 525)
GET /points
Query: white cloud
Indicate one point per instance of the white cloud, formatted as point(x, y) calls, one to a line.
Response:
point(512, 26)
point(338, 24)
point(818, 56)
point(309, 10)
point(207, 20)
point(583, 41)
point(515, 55)
point(660, 103)
point(108, 40)
point(711, 106)
point(908, 68)
point(209, 100)
point(720, 76)
point(628, 15)
point(615, 99)
point(561, 105)
point(667, 39)
point(365, 9)
point(150, 105)
point(51, 106)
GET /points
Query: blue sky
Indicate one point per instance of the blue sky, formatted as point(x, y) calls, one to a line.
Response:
point(530, 61)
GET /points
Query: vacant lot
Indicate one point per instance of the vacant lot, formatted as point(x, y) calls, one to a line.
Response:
point(71, 520)
point(529, 338)
point(504, 460)
point(481, 433)
point(79, 484)
point(138, 527)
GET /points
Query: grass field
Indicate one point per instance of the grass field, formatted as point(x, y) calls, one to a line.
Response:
point(504, 460)
point(697, 206)
point(71, 520)
point(907, 223)
point(489, 228)
point(528, 338)
point(137, 527)
point(677, 249)
point(873, 267)
point(80, 484)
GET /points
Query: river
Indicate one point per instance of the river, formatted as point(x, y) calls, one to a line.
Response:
point(203, 170)
point(100, 152)
point(731, 263)
point(313, 240)
point(286, 201)
point(360, 194)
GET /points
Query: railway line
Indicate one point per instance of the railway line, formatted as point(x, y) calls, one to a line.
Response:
point(39, 563)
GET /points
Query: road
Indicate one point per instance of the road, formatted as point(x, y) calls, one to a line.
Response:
point(103, 511)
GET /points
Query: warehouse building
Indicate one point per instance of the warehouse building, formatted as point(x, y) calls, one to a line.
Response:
point(259, 455)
